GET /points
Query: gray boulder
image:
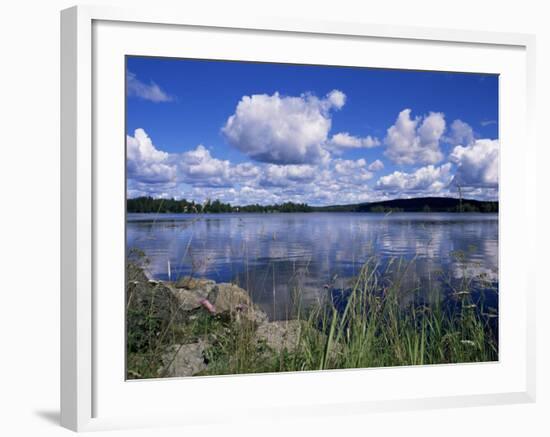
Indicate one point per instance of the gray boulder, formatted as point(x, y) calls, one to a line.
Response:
point(229, 299)
point(190, 291)
point(280, 335)
point(187, 300)
point(145, 299)
point(201, 285)
point(184, 360)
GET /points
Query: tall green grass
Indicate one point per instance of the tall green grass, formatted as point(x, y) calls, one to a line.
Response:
point(375, 329)
point(378, 323)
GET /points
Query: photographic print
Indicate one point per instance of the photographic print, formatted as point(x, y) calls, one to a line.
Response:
point(284, 217)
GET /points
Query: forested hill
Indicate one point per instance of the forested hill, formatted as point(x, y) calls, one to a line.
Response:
point(419, 204)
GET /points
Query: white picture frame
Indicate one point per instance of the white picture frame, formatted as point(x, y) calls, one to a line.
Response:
point(88, 402)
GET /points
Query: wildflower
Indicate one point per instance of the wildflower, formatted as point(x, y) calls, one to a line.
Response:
point(208, 306)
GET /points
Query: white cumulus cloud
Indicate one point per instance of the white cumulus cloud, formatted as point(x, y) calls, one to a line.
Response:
point(350, 172)
point(245, 170)
point(461, 133)
point(336, 98)
point(283, 129)
point(425, 180)
point(201, 169)
point(151, 91)
point(376, 165)
point(145, 162)
point(344, 140)
point(152, 170)
point(477, 164)
point(415, 141)
point(286, 175)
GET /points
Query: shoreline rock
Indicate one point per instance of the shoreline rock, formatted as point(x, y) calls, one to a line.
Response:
point(227, 300)
point(180, 305)
point(190, 283)
point(234, 301)
point(184, 360)
point(280, 335)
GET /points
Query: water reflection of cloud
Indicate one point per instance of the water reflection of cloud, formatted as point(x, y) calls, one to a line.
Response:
point(482, 265)
point(309, 249)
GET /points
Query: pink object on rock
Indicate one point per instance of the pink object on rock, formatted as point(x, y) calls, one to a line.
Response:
point(241, 307)
point(208, 305)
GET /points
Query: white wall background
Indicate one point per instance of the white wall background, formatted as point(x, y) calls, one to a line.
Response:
point(29, 215)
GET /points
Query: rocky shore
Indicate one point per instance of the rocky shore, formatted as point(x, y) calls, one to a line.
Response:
point(195, 326)
point(189, 316)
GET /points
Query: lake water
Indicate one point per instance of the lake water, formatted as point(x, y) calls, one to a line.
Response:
point(271, 255)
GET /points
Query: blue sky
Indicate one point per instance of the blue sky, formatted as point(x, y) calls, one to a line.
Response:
point(257, 132)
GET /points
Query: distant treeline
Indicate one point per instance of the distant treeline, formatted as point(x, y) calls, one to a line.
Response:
point(420, 204)
point(149, 204)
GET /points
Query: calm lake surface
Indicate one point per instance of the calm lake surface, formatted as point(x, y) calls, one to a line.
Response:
point(271, 255)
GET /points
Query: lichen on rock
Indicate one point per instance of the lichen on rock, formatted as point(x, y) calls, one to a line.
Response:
point(280, 335)
point(191, 291)
point(201, 285)
point(229, 299)
point(184, 360)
